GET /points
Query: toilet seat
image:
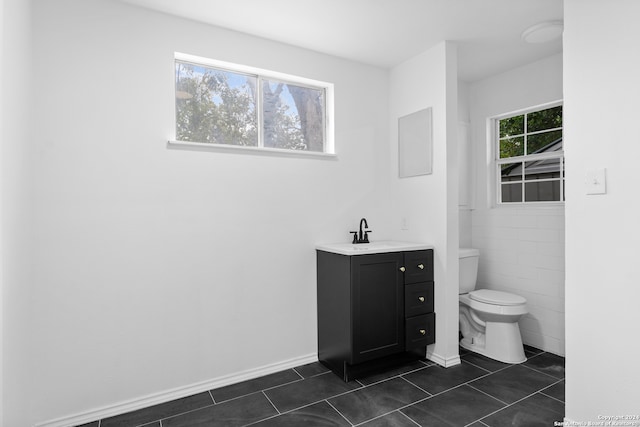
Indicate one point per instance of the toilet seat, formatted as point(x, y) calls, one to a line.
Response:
point(489, 296)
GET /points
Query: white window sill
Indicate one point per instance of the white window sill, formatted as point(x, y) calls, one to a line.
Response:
point(530, 205)
point(278, 152)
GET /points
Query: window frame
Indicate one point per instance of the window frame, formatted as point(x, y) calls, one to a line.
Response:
point(497, 162)
point(261, 76)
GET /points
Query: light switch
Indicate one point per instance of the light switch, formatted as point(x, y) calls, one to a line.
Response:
point(596, 181)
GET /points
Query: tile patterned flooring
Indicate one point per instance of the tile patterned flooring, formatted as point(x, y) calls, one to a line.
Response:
point(479, 392)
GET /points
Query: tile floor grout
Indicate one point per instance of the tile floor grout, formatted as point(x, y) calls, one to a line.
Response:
point(409, 418)
point(508, 405)
point(296, 371)
point(467, 383)
point(264, 389)
point(318, 401)
point(417, 386)
point(549, 386)
point(359, 385)
point(430, 396)
point(173, 416)
point(272, 404)
point(486, 394)
point(399, 375)
point(477, 366)
point(341, 414)
point(540, 372)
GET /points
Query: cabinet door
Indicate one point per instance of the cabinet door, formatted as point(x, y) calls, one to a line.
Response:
point(377, 297)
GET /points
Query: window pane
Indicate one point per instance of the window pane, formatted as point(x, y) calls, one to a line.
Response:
point(525, 137)
point(544, 142)
point(542, 191)
point(511, 193)
point(511, 172)
point(512, 126)
point(511, 147)
point(542, 169)
point(215, 106)
point(544, 119)
point(293, 116)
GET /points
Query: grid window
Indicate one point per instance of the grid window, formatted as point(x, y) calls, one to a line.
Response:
point(530, 157)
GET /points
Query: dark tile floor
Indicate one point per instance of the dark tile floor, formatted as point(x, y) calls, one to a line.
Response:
point(479, 392)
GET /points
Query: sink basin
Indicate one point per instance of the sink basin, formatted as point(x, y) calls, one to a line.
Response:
point(372, 248)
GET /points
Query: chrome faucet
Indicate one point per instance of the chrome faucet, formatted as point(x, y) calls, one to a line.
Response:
point(359, 237)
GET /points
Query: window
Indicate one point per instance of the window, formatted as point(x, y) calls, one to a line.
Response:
point(225, 104)
point(530, 157)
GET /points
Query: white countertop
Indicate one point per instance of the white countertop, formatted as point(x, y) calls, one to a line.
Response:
point(372, 247)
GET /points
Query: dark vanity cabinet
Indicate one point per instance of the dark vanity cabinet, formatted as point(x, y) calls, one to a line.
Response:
point(374, 309)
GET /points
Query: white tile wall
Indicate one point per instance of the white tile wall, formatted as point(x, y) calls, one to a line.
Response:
point(522, 251)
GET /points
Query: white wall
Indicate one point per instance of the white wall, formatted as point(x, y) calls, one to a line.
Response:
point(601, 89)
point(159, 268)
point(521, 248)
point(2, 247)
point(430, 202)
point(16, 206)
point(466, 167)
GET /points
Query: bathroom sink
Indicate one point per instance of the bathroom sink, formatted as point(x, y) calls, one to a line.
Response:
point(372, 247)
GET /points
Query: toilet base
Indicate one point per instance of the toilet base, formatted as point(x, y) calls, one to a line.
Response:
point(501, 342)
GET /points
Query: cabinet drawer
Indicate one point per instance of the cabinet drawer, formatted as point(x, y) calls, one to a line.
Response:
point(418, 299)
point(420, 331)
point(418, 266)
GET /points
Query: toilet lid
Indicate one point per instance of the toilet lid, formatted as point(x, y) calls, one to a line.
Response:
point(496, 297)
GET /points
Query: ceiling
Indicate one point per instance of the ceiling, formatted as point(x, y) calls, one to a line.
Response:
point(387, 32)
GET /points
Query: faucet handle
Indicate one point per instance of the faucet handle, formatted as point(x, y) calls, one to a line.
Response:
point(366, 236)
point(355, 236)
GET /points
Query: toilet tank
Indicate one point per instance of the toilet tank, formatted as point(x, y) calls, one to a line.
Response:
point(468, 269)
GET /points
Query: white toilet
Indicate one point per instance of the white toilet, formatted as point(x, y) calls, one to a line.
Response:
point(488, 318)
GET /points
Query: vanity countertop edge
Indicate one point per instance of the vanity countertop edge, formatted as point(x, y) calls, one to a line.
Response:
point(372, 247)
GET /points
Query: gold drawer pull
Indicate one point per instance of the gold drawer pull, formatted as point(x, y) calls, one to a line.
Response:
point(421, 266)
point(402, 269)
point(421, 299)
point(423, 331)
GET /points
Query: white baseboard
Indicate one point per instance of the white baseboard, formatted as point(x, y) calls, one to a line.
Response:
point(176, 393)
point(445, 362)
